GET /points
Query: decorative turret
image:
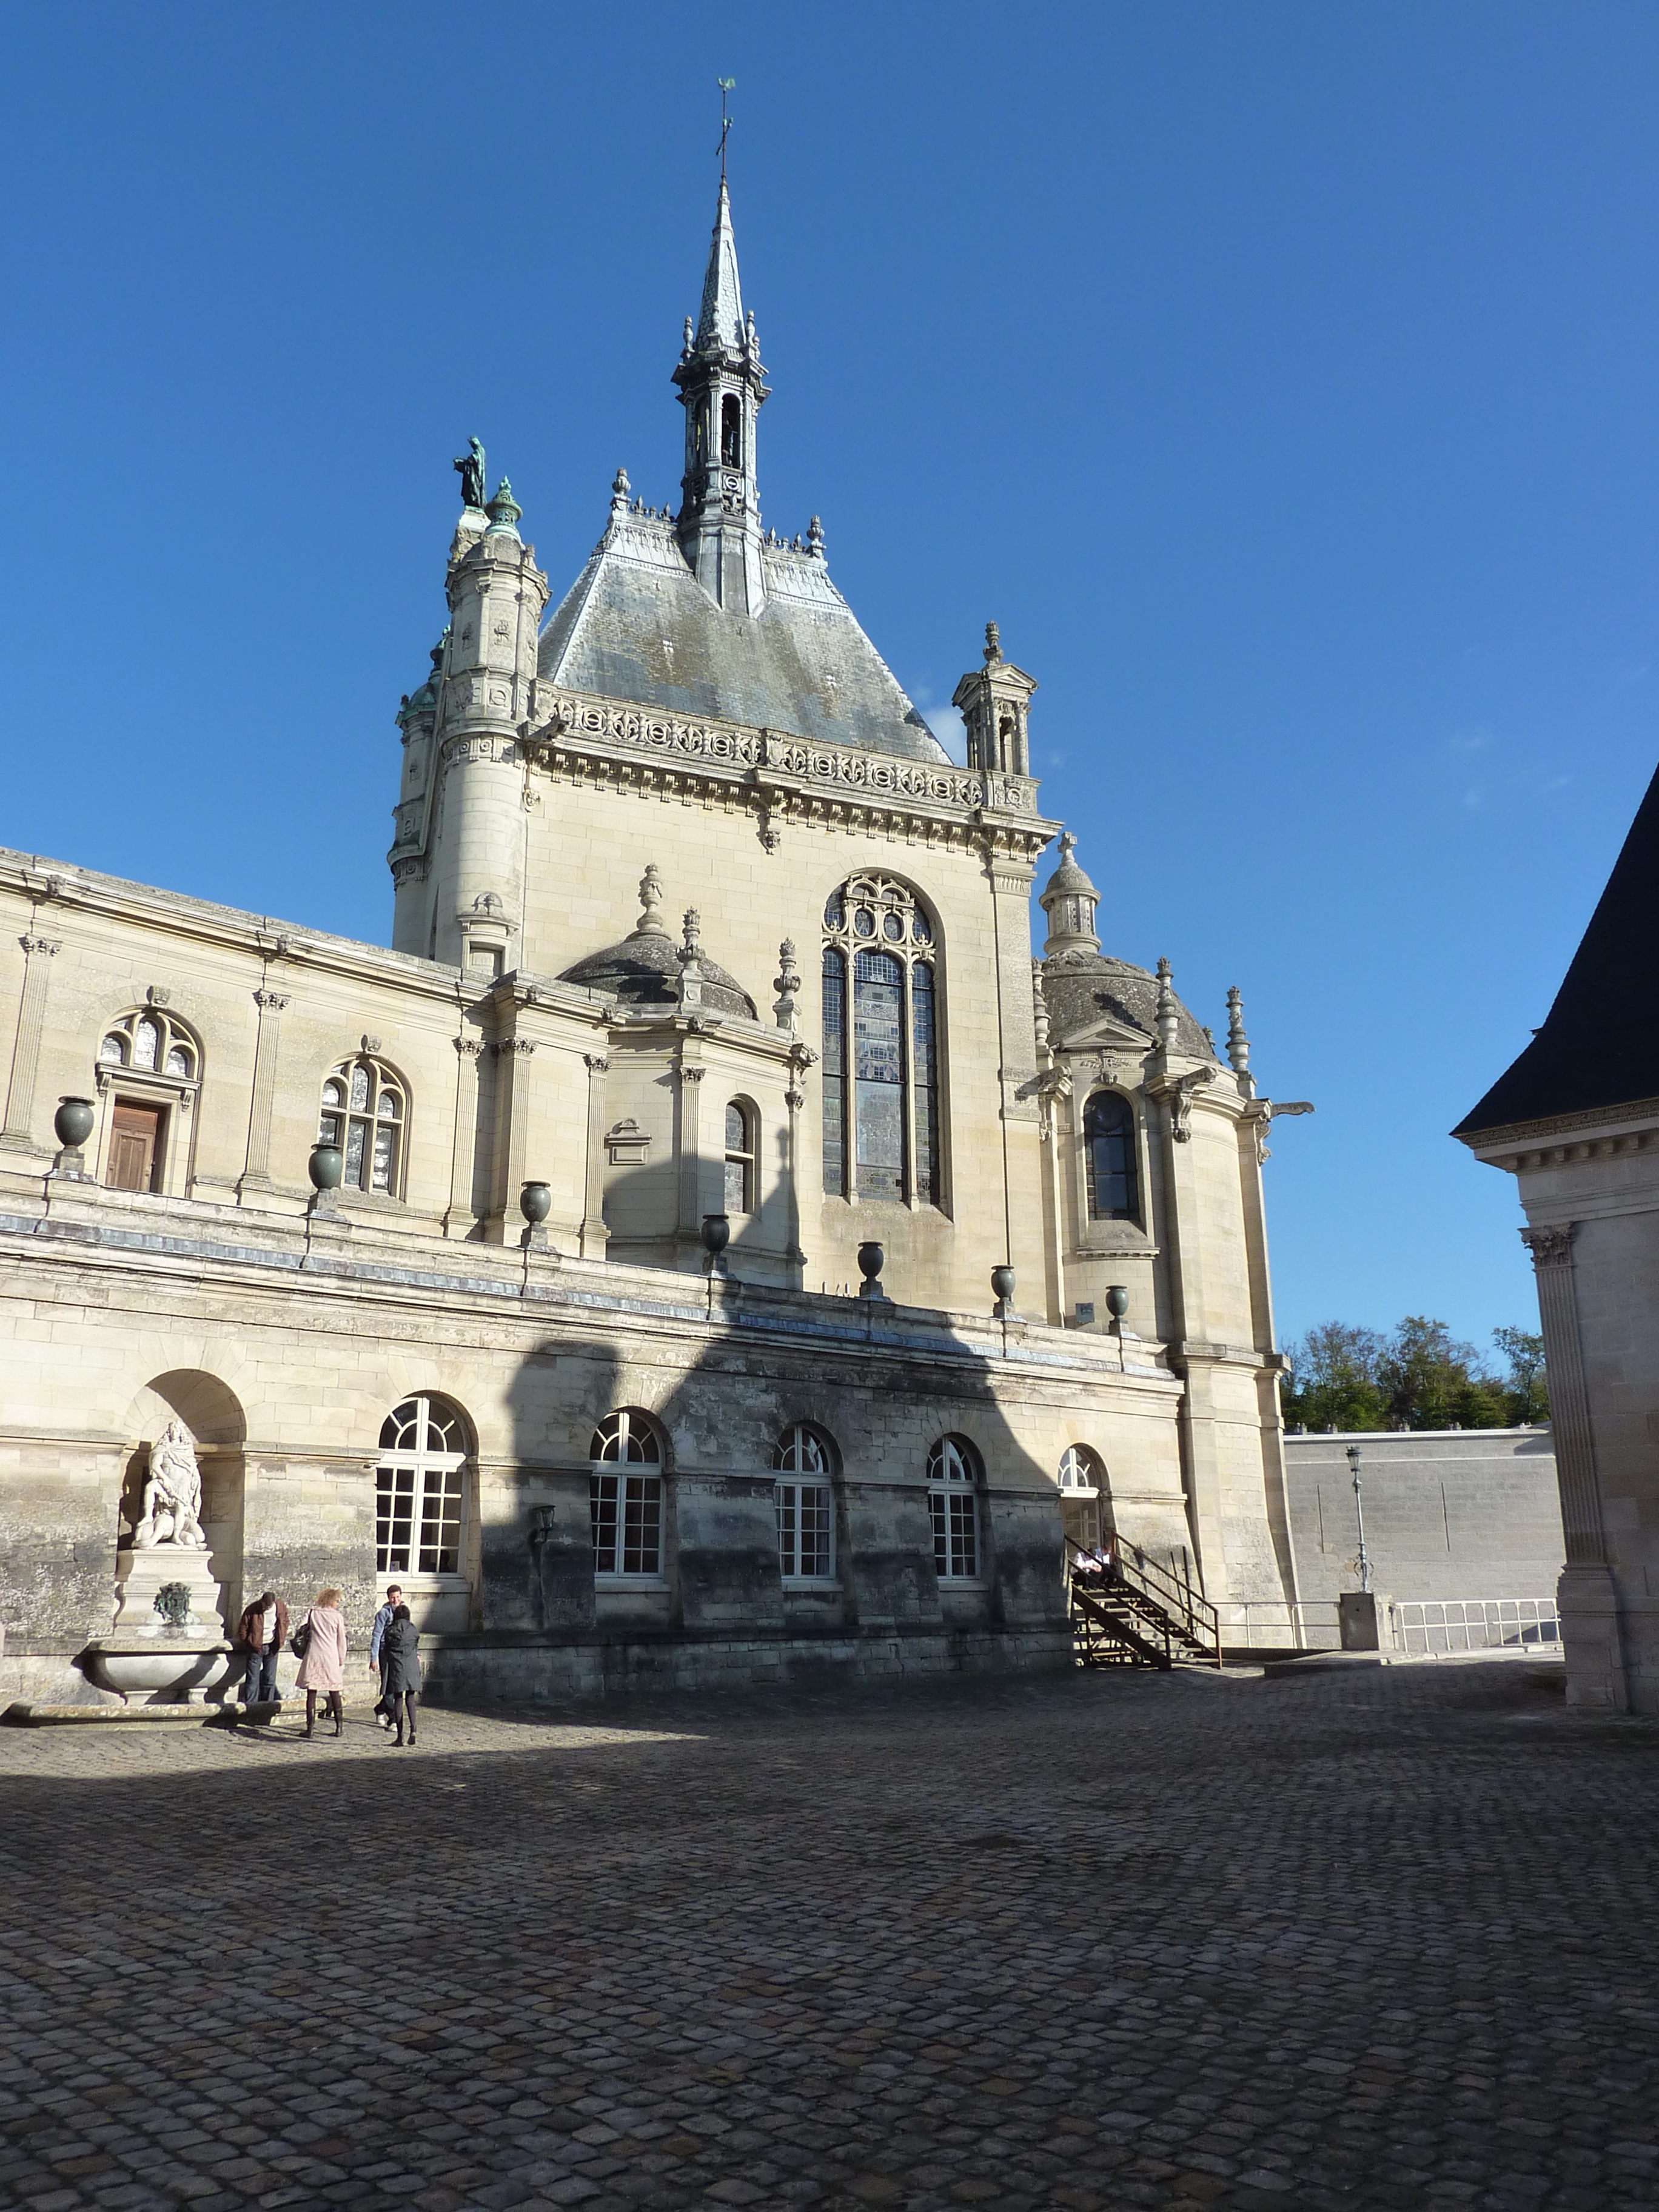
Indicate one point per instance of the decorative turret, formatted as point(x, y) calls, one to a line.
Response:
point(1069, 900)
point(722, 387)
point(995, 703)
point(496, 596)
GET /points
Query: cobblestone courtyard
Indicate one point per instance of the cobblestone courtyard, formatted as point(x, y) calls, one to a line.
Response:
point(1374, 1938)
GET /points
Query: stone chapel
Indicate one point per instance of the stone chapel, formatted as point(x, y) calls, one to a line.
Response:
point(706, 1244)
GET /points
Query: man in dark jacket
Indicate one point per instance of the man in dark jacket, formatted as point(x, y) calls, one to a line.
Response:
point(262, 1631)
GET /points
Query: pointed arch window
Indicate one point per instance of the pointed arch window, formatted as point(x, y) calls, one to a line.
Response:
point(732, 431)
point(880, 1087)
point(1110, 1169)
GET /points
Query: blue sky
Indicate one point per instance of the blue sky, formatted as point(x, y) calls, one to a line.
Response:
point(1280, 378)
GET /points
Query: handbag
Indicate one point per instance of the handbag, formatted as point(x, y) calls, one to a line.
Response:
point(299, 1642)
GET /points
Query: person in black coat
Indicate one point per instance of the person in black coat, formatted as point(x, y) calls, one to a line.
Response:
point(398, 1648)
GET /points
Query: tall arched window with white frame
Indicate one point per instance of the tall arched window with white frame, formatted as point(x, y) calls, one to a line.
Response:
point(420, 1492)
point(953, 1499)
point(881, 1048)
point(625, 1495)
point(806, 1505)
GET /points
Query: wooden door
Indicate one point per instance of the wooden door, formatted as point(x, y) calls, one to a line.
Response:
point(134, 1146)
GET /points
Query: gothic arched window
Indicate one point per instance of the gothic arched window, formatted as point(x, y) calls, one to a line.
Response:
point(365, 1113)
point(881, 1127)
point(732, 431)
point(1109, 1158)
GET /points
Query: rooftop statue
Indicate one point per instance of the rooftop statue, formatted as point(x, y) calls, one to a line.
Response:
point(172, 1494)
point(471, 467)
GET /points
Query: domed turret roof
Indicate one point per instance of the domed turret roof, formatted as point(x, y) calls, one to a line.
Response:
point(645, 969)
point(1068, 880)
point(1080, 988)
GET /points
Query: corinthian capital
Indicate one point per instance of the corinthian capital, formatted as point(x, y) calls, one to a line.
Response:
point(1550, 1247)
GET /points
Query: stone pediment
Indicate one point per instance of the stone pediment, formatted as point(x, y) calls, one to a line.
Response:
point(1106, 1035)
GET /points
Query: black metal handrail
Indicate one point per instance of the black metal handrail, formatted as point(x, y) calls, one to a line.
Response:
point(1195, 1617)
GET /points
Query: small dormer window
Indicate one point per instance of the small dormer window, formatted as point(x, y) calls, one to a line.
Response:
point(732, 431)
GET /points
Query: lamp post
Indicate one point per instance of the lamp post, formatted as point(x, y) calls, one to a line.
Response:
point(1360, 1514)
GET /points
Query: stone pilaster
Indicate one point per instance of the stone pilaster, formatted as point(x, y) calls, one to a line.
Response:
point(1586, 1598)
point(458, 1216)
point(593, 1231)
point(39, 953)
point(257, 1173)
point(689, 1226)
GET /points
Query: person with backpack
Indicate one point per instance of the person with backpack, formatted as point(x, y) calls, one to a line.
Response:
point(262, 1631)
point(319, 1642)
point(378, 1627)
point(398, 1649)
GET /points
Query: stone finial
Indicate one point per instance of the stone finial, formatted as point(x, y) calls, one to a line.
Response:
point(993, 643)
point(691, 977)
point(620, 489)
point(685, 348)
point(1039, 1012)
point(1238, 1045)
point(1167, 1013)
point(650, 923)
point(786, 984)
point(815, 539)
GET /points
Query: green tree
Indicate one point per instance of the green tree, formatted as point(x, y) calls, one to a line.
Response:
point(1430, 1381)
point(1527, 1390)
point(1332, 1380)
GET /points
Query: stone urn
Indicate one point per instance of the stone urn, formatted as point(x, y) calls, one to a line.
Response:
point(325, 1167)
point(872, 1260)
point(1002, 1290)
point(716, 1235)
point(1117, 1301)
point(535, 1203)
point(73, 1122)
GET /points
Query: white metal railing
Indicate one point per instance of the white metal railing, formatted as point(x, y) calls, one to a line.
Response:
point(1474, 1623)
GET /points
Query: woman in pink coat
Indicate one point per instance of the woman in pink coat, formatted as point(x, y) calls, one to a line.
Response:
point(322, 1663)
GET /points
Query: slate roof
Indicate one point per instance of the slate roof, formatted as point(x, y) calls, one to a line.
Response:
point(1596, 1047)
point(644, 970)
point(636, 625)
point(1080, 988)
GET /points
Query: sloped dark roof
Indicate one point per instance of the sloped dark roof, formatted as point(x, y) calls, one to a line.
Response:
point(1599, 1043)
point(636, 625)
point(644, 970)
point(1080, 987)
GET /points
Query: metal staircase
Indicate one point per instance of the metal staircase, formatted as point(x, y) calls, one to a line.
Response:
point(1129, 1611)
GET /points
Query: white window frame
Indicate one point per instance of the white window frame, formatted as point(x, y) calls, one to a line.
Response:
point(625, 1471)
point(953, 1506)
point(432, 1473)
point(1082, 1473)
point(806, 1485)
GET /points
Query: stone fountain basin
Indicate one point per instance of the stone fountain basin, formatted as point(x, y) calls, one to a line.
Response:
point(182, 1670)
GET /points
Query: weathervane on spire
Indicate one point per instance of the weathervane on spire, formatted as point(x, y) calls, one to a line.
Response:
point(727, 84)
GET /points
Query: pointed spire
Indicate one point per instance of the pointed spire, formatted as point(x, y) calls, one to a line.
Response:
point(721, 320)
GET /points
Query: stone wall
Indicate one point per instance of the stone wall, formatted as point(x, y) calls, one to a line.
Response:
point(1459, 1513)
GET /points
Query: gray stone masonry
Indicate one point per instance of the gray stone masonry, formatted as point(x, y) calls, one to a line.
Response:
point(1336, 1941)
point(1454, 1513)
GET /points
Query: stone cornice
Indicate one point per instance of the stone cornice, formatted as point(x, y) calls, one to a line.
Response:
point(1530, 1136)
point(141, 906)
point(783, 777)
